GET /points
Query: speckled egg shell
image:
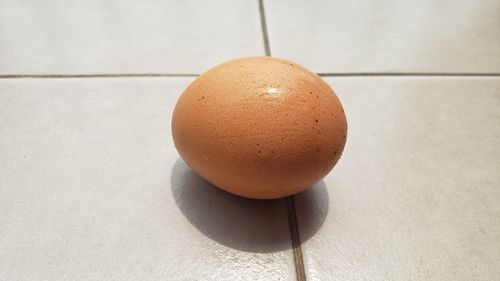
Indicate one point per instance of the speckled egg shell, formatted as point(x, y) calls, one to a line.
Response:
point(260, 127)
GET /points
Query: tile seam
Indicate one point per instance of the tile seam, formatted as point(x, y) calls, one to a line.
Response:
point(139, 75)
point(94, 75)
point(424, 74)
point(295, 237)
point(263, 25)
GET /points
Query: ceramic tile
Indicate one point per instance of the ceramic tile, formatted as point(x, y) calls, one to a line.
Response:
point(126, 37)
point(387, 36)
point(416, 193)
point(92, 188)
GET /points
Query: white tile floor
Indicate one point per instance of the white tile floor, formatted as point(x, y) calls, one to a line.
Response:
point(91, 187)
point(416, 195)
point(126, 36)
point(340, 36)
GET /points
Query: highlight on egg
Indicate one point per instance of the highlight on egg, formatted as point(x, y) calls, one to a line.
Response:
point(260, 127)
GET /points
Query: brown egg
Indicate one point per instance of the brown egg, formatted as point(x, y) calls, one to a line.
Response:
point(260, 127)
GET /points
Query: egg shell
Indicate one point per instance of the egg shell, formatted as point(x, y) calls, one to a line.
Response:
point(260, 127)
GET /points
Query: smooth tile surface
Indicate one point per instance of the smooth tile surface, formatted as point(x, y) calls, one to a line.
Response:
point(125, 37)
point(416, 195)
point(387, 36)
point(92, 188)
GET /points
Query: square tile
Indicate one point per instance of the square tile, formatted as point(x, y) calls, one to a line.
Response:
point(125, 37)
point(92, 188)
point(416, 195)
point(387, 36)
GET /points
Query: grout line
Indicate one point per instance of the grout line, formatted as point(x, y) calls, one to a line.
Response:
point(339, 74)
point(298, 261)
point(444, 74)
point(263, 24)
point(95, 75)
point(294, 233)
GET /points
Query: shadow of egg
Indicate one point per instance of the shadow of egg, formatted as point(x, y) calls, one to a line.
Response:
point(312, 207)
point(259, 226)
